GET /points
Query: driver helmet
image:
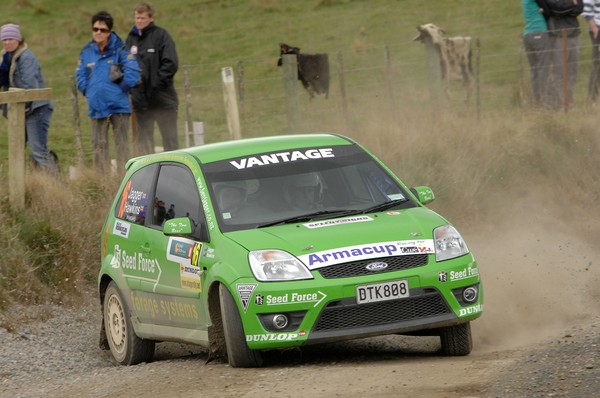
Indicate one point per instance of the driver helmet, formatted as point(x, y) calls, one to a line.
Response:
point(226, 198)
point(303, 190)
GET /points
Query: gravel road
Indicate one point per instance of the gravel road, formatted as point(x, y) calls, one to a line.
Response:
point(539, 337)
point(58, 355)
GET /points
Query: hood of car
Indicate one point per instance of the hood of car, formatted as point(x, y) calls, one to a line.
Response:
point(385, 233)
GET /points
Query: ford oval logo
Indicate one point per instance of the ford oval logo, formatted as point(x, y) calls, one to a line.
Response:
point(377, 266)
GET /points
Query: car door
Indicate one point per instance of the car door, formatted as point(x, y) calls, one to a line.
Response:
point(129, 228)
point(177, 290)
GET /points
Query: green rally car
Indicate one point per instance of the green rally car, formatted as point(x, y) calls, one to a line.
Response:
point(278, 242)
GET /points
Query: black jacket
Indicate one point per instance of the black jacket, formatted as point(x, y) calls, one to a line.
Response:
point(562, 14)
point(157, 57)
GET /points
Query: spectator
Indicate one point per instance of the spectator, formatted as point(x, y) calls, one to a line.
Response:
point(170, 212)
point(591, 14)
point(20, 68)
point(108, 100)
point(155, 99)
point(160, 211)
point(537, 47)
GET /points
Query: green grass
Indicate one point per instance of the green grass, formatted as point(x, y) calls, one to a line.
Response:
point(478, 165)
point(214, 34)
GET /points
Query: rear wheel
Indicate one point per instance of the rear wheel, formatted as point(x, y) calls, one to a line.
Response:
point(238, 353)
point(456, 340)
point(125, 346)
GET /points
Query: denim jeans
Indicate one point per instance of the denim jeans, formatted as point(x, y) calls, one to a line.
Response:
point(120, 126)
point(594, 82)
point(36, 128)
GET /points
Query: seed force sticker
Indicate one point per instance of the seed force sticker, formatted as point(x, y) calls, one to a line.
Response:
point(282, 157)
point(364, 252)
point(136, 265)
point(290, 298)
point(329, 223)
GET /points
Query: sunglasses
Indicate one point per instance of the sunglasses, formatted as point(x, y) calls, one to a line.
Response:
point(103, 30)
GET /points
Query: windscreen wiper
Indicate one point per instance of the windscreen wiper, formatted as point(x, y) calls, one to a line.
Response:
point(384, 206)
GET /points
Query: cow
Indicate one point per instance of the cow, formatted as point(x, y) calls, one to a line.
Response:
point(454, 52)
point(313, 69)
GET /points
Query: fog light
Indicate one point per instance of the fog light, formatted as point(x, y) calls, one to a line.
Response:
point(470, 294)
point(280, 321)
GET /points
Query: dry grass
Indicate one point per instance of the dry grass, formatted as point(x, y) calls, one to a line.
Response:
point(50, 251)
point(481, 171)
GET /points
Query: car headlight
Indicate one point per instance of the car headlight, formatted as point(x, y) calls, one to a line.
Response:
point(277, 265)
point(448, 243)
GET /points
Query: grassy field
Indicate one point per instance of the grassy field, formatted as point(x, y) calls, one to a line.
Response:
point(245, 34)
point(479, 164)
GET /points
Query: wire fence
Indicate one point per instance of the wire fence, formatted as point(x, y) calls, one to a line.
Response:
point(376, 79)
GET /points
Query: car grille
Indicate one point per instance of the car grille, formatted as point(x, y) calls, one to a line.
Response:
point(358, 268)
point(335, 316)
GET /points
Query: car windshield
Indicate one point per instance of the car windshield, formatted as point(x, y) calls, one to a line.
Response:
point(300, 185)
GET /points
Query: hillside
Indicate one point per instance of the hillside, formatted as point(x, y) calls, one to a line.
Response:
point(483, 163)
point(520, 184)
point(245, 35)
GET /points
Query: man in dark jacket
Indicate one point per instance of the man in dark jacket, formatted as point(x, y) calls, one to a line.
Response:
point(155, 99)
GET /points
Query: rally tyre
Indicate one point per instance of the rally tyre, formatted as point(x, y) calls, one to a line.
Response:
point(125, 346)
point(239, 354)
point(456, 340)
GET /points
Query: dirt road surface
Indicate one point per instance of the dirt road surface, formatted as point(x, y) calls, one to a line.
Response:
point(539, 337)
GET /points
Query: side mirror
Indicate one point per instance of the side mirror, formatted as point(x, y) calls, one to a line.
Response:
point(178, 226)
point(424, 194)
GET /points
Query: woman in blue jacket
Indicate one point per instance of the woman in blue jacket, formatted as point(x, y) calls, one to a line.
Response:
point(20, 68)
point(107, 95)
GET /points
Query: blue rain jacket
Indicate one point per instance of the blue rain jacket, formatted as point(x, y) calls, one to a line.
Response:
point(105, 97)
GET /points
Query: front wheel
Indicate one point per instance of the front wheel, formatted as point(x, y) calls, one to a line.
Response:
point(456, 340)
point(125, 346)
point(239, 354)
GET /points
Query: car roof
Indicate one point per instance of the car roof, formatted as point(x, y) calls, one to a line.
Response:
point(248, 146)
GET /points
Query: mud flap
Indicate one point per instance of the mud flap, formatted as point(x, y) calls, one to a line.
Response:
point(103, 343)
point(216, 349)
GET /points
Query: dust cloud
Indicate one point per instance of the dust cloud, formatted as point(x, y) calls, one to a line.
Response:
point(541, 275)
point(523, 189)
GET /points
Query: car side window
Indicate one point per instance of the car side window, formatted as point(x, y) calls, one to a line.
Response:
point(176, 195)
point(134, 200)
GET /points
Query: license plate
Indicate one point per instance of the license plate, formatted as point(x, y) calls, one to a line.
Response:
point(382, 291)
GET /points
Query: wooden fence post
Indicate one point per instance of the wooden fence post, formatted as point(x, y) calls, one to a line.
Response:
point(290, 81)
point(231, 106)
point(340, 64)
point(565, 71)
point(76, 121)
point(434, 72)
point(240, 86)
point(189, 126)
point(16, 99)
point(477, 74)
point(389, 78)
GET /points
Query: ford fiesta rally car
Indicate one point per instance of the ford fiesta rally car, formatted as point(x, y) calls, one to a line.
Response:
point(278, 242)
